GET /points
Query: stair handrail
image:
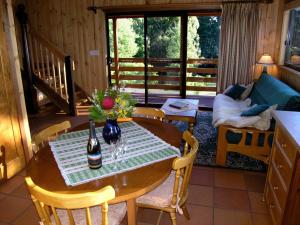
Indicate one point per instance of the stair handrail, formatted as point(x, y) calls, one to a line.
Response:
point(58, 52)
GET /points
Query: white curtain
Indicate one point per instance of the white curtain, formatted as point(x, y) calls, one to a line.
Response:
point(238, 44)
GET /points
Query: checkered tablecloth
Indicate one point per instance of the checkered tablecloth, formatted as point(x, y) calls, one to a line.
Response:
point(144, 148)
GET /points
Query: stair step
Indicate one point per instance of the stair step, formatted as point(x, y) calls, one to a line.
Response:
point(83, 109)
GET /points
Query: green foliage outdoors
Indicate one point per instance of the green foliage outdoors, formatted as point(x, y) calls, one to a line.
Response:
point(193, 43)
point(127, 47)
point(164, 37)
point(209, 36)
point(163, 40)
point(138, 27)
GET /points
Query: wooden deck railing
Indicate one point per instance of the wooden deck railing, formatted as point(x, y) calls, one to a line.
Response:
point(124, 73)
point(52, 71)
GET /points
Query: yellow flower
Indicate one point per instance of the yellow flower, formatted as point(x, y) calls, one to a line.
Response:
point(123, 103)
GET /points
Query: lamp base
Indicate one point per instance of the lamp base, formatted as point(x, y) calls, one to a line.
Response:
point(265, 69)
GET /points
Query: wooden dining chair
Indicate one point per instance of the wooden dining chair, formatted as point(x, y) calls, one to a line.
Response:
point(149, 113)
point(89, 208)
point(171, 195)
point(49, 133)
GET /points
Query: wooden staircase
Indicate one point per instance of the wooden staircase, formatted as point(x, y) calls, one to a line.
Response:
point(82, 102)
point(46, 68)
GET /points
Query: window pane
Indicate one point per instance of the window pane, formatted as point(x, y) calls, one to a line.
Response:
point(163, 46)
point(292, 56)
point(202, 53)
point(130, 48)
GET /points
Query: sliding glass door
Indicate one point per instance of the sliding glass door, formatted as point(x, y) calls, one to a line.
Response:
point(163, 57)
point(203, 33)
point(156, 56)
point(126, 54)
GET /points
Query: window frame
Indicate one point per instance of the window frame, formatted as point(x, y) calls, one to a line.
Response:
point(184, 14)
point(287, 41)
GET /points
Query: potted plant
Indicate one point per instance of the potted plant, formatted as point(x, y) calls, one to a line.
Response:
point(109, 105)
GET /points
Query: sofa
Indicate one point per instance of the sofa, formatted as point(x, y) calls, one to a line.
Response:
point(246, 138)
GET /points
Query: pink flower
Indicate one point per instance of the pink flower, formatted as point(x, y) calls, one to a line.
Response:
point(108, 102)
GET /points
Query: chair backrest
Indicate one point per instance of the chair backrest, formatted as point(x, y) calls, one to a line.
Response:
point(183, 167)
point(149, 113)
point(49, 133)
point(46, 201)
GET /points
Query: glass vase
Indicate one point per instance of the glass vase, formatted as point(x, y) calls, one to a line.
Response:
point(111, 131)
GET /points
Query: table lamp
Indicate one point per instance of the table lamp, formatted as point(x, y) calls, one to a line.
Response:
point(266, 60)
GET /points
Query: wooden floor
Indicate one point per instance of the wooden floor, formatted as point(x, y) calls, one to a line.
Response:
point(50, 114)
point(216, 197)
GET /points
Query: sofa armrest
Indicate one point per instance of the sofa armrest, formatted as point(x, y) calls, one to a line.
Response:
point(244, 131)
point(252, 149)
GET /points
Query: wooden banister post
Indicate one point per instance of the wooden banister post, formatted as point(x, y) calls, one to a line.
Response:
point(70, 86)
point(29, 89)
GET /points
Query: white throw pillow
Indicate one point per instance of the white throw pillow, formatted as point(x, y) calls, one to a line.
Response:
point(265, 121)
point(247, 92)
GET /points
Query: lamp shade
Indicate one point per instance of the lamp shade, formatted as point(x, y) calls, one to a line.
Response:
point(266, 59)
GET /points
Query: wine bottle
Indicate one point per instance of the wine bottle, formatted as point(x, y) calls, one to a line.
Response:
point(94, 154)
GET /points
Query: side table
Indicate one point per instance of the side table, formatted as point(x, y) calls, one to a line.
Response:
point(187, 115)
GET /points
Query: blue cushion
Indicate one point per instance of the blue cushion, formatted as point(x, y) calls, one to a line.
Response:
point(236, 91)
point(293, 104)
point(255, 110)
point(269, 90)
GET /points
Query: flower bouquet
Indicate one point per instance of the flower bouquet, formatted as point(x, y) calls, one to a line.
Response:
point(110, 105)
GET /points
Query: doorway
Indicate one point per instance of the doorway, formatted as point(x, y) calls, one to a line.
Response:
point(164, 54)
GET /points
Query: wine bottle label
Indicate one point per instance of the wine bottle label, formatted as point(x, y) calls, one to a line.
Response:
point(95, 161)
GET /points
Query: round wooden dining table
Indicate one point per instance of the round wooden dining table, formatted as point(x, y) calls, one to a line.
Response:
point(128, 185)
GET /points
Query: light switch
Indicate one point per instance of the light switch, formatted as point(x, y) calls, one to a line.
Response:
point(94, 52)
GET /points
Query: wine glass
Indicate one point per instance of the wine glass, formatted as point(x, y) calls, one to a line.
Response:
point(123, 148)
point(114, 154)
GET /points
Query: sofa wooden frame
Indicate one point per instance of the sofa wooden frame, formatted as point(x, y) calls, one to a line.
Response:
point(252, 149)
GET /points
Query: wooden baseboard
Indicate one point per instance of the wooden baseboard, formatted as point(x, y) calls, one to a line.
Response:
point(14, 166)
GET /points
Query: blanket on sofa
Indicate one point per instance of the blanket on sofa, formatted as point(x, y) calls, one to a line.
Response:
point(227, 111)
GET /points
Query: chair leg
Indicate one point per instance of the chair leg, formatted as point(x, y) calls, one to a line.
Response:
point(173, 218)
point(185, 212)
point(191, 127)
point(221, 147)
point(159, 217)
point(221, 156)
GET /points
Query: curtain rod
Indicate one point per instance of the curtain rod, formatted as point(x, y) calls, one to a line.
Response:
point(94, 8)
point(249, 1)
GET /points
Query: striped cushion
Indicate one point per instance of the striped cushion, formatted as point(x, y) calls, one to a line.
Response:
point(116, 213)
point(162, 195)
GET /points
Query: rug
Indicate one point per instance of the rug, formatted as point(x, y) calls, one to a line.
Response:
point(207, 137)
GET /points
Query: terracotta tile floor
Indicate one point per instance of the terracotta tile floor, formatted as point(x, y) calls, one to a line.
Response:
point(216, 197)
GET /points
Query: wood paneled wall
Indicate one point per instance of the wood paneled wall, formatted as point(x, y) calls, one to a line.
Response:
point(76, 31)
point(10, 124)
point(270, 33)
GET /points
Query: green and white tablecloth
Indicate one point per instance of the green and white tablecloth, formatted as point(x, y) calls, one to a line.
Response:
point(144, 148)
